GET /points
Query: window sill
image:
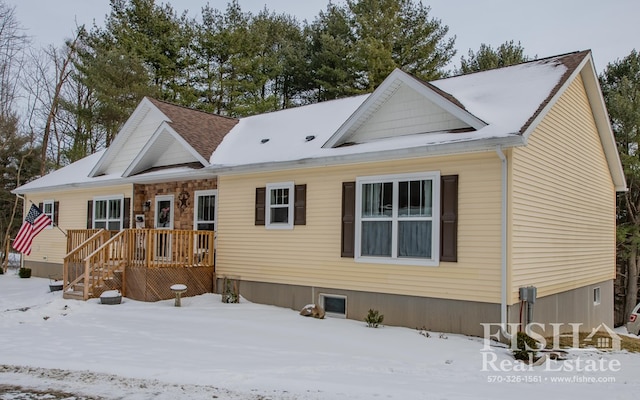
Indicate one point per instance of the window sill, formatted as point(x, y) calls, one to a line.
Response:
point(279, 227)
point(398, 261)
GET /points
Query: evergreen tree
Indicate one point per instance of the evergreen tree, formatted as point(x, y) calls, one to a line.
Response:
point(157, 36)
point(620, 84)
point(486, 58)
point(220, 43)
point(116, 80)
point(332, 61)
point(398, 34)
point(19, 163)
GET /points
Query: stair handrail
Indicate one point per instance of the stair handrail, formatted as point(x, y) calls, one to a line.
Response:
point(99, 236)
point(98, 258)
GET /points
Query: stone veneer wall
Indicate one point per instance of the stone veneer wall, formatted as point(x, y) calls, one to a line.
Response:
point(183, 193)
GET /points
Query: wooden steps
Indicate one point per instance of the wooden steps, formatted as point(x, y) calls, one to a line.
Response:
point(73, 295)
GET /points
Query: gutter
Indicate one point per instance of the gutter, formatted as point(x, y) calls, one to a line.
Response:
point(503, 243)
point(140, 179)
point(428, 150)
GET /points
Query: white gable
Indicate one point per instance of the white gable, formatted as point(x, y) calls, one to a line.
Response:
point(406, 112)
point(165, 147)
point(133, 136)
point(396, 97)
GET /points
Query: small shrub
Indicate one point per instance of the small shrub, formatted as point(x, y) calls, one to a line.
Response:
point(24, 272)
point(527, 347)
point(374, 318)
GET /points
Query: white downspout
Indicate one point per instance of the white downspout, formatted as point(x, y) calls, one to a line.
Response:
point(503, 244)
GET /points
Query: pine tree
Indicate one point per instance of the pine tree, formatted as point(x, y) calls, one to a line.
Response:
point(621, 89)
point(399, 34)
point(486, 58)
point(332, 60)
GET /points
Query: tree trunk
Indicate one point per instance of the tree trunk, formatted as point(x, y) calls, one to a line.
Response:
point(6, 241)
point(632, 282)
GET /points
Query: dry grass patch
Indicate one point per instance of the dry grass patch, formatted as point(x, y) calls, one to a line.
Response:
point(600, 340)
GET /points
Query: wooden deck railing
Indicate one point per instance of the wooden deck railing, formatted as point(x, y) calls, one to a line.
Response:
point(170, 248)
point(75, 237)
point(74, 262)
point(101, 259)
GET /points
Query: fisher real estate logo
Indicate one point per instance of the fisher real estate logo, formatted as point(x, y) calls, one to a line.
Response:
point(549, 348)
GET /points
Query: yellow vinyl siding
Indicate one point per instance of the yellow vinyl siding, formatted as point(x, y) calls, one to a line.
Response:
point(310, 255)
point(563, 202)
point(51, 244)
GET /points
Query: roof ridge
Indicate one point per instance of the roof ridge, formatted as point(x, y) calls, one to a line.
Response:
point(544, 59)
point(154, 100)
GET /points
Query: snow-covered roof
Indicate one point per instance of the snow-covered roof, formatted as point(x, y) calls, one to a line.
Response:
point(76, 175)
point(403, 117)
point(496, 106)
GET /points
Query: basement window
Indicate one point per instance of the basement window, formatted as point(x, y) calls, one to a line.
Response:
point(334, 305)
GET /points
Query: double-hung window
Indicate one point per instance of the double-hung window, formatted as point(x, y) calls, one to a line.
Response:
point(205, 214)
point(397, 219)
point(279, 205)
point(107, 213)
point(48, 208)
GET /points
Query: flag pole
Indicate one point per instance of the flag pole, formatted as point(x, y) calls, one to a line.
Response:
point(52, 223)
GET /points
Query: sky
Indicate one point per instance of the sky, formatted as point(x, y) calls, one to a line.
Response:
point(543, 27)
point(208, 349)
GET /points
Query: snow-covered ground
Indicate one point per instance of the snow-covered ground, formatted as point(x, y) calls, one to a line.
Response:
point(208, 349)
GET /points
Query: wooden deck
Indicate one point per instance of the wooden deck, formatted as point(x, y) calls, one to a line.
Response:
point(100, 260)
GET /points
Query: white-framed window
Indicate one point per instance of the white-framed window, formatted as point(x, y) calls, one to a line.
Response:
point(398, 219)
point(49, 209)
point(108, 213)
point(334, 305)
point(279, 205)
point(205, 214)
point(596, 296)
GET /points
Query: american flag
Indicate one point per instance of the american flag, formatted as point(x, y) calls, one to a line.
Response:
point(35, 221)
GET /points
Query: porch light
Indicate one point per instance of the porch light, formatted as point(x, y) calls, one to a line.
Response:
point(146, 206)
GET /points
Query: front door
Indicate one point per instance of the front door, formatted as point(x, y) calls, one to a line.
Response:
point(163, 220)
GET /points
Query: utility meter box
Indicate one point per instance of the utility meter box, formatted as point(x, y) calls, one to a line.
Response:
point(140, 221)
point(528, 294)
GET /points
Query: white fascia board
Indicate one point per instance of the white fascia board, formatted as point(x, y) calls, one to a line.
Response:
point(598, 109)
point(475, 146)
point(163, 129)
point(127, 129)
point(186, 145)
point(446, 104)
point(76, 185)
point(181, 175)
point(171, 176)
point(551, 103)
point(406, 79)
point(603, 124)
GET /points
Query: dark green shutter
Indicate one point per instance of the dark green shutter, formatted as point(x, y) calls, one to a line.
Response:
point(260, 205)
point(449, 218)
point(90, 214)
point(348, 219)
point(126, 221)
point(56, 205)
point(300, 205)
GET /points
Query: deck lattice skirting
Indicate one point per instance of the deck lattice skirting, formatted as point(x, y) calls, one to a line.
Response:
point(153, 284)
